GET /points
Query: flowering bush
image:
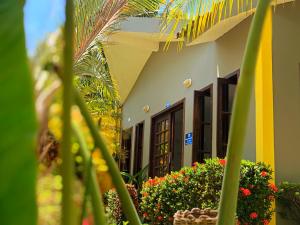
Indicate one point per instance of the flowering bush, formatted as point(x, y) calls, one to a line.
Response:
point(200, 186)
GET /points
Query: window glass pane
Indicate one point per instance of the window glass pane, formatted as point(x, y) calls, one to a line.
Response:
point(231, 93)
point(207, 108)
point(207, 139)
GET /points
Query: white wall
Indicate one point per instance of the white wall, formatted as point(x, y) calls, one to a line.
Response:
point(161, 82)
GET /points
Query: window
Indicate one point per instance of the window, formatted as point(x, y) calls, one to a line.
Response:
point(226, 93)
point(167, 141)
point(126, 147)
point(202, 127)
point(138, 147)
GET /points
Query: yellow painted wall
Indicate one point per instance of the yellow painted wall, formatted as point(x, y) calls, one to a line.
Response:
point(264, 100)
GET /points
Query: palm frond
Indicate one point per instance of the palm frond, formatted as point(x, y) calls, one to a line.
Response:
point(193, 17)
point(96, 18)
point(95, 83)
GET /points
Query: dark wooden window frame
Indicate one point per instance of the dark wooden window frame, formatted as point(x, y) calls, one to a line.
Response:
point(138, 156)
point(197, 133)
point(221, 100)
point(169, 110)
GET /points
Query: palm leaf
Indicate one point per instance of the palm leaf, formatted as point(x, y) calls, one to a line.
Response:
point(18, 122)
point(94, 19)
point(193, 17)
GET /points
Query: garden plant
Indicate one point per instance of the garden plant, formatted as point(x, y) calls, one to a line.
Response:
point(200, 187)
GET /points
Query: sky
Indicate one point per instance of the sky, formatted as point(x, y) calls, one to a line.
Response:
point(41, 18)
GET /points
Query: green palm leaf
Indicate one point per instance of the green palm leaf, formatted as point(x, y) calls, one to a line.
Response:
point(18, 122)
point(193, 17)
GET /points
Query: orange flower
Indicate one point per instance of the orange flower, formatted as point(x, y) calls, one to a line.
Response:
point(145, 194)
point(273, 187)
point(222, 162)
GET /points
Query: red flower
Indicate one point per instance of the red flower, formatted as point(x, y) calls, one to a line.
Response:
point(171, 219)
point(160, 218)
point(246, 192)
point(151, 181)
point(222, 162)
point(271, 197)
point(145, 215)
point(273, 187)
point(266, 222)
point(264, 173)
point(253, 215)
point(85, 222)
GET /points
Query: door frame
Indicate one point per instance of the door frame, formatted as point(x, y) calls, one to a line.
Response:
point(169, 110)
point(136, 147)
point(219, 134)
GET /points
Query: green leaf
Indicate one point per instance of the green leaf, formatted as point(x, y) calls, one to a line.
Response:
point(18, 122)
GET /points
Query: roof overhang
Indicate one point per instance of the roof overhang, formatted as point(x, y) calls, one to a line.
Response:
point(128, 50)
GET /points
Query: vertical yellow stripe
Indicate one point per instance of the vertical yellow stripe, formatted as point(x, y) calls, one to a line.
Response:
point(264, 100)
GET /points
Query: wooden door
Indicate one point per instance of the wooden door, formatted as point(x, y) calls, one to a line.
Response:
point(161, 145)
point(167, 140)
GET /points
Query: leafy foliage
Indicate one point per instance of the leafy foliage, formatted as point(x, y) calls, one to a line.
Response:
point(192, 17)
point(18, 121)
point(289, 201)
point(94, 20)
point(114, 206)
point(136, 179)
point(200, 187)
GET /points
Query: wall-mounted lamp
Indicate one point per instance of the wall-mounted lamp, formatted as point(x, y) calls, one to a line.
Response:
point(187, 83)
point(146, 108)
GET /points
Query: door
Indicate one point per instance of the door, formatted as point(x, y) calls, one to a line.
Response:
point(166, 141)
point(226, 93)
point(202, 144)
point(138, 147)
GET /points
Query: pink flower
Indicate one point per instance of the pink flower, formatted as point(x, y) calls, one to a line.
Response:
point(264, 173)
point(222, 162)
point(145, 215)
point(253, 215)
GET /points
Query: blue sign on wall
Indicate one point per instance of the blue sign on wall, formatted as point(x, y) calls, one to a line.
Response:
point(188, 138)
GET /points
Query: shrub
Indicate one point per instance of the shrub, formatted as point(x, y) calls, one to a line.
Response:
point(200, 186)
point(289, 201)
point(114, 206)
